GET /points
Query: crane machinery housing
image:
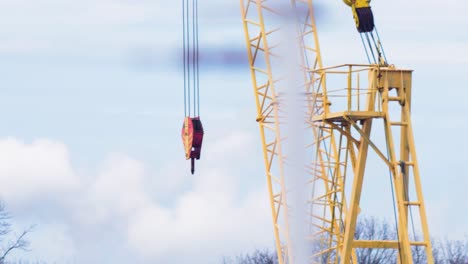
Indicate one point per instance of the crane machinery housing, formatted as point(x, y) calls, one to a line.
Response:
point(343, 104)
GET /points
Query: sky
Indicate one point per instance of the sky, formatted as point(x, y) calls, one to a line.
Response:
point(91, 105)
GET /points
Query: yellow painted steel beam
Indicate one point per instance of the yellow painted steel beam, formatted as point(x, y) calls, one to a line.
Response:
point(383, 244)
point(256, 38)
point(405, 254)
point(381, 81)
point(340, 139)
point(356, 191)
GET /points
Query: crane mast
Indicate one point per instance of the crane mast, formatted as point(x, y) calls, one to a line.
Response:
point(343, 104)
point(262, 26)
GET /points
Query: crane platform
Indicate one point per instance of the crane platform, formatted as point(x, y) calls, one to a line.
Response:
point(341, 117)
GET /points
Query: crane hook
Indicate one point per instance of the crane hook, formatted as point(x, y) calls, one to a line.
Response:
point(192, 137)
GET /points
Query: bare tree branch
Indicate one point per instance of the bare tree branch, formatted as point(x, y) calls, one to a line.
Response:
point(257, 257)
point(18, 243)
point(5, 226)
point(369, 228)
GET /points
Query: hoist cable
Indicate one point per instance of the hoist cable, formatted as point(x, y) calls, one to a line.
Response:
point(409, 207)
point(394, 206)
point(412, 223)
point(370, 47)
point(184, 59)
point(395, 215)
point(187, 44)
point(381, 46)
point(198, 59)
point(367, 53)
point(191, 55)
point(194, 59)
point(377, 48)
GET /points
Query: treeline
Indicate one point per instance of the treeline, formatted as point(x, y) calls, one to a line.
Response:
point(445, 251)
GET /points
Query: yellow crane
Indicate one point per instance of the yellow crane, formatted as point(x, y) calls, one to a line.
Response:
point(343, 104)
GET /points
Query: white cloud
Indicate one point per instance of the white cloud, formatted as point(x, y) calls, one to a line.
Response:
point(409, 32)
point(52, 243)
point(216, 215)
point(209, 214)
point(87, 27)
point(116, 192)
point(28, 171)
point(71, 13)
point(107, 28)
point(200, 223)
point(214, 212)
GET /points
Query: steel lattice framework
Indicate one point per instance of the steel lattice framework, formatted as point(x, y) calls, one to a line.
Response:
point(339, 121)
point(262, 42)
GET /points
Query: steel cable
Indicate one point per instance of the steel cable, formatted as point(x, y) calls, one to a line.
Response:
point(394, 205)
point(370, 47)
point(191, 56)
point(194, 31)
point(198, 58)
point(365, 49)
point(184, 59)
point(188, 47)
point(377, 49)
point(381, 46)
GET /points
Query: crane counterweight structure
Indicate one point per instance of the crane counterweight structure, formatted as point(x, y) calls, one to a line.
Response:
point(344, 104)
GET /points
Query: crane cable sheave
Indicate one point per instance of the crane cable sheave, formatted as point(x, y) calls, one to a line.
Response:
point(357, 3)
point(362, 14)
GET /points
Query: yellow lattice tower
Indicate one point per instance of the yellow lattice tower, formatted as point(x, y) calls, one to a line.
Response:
point(261, 23)
point(385, 96)
point(339, 121)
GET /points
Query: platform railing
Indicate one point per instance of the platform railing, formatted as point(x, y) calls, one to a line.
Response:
point(348, 88)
